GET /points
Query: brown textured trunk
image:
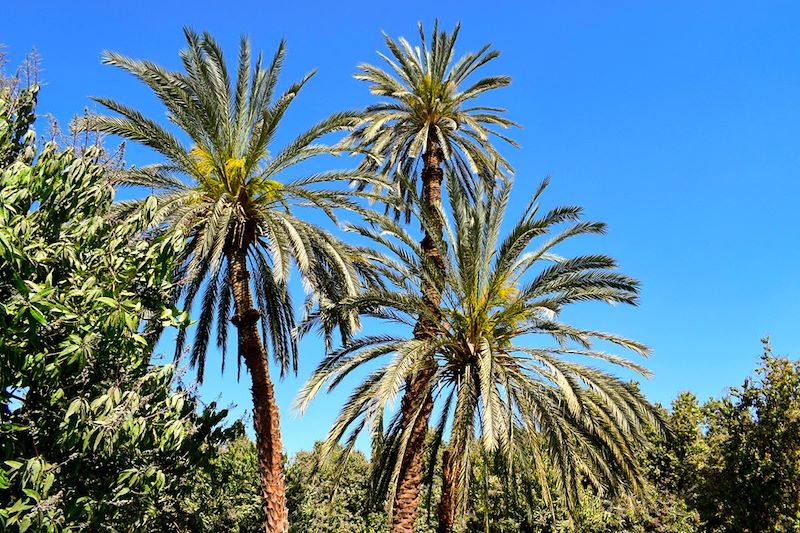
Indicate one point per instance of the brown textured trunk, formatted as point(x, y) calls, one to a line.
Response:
point(449, 496)
point(417, 394)
point(265, 409)
point(453, 466)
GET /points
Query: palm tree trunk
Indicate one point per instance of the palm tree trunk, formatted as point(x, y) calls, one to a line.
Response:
point(448, 498)
point(418, 398)
point(265, 409)
point(453, 464)
point(406, 499)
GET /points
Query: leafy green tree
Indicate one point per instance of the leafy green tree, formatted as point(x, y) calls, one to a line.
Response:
point(331, 496)
point(655, 512)
point(91, 436)
point(734, 460)
point(750, 479)
point(227, 489)
point(535, 406)
point(674, 465)
point(428, 122)
point(230, 195)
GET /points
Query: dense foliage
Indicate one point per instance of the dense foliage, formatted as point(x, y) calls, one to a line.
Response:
point(696, 481)
point(91, 435)
point(737, 459)
point(227, 489)
point(329, 497)
point(730, 465)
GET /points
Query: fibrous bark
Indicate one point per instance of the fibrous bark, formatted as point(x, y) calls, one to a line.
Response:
point(418, 399)
point(265, 409)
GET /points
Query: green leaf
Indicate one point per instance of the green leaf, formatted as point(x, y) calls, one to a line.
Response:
point(14, 465)
point(69, 349)
point(73, 407)
point(37, 315)
point(19, 506)
point(110, 302)
point(160, 479)
point(48, 482)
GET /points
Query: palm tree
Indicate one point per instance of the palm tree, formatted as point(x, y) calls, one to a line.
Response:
point(428, 122)
point(498, 388)
point(230, 195)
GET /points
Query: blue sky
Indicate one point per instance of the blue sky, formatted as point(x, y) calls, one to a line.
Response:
point(677, 123)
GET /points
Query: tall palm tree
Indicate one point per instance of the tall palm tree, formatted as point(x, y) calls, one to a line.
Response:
point(427, 124)
point(231, 194)
point(499, 388)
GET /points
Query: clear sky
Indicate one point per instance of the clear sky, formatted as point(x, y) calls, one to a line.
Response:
point(677, 123)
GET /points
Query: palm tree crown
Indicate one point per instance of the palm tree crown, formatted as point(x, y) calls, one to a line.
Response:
point(494, 382)
point(238, 193)
point(428, 102)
